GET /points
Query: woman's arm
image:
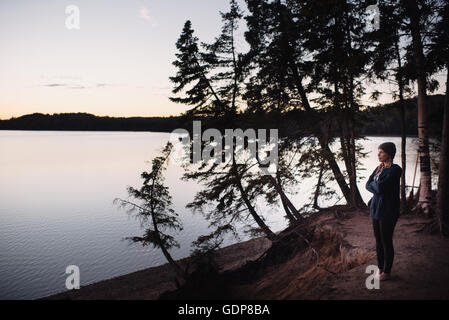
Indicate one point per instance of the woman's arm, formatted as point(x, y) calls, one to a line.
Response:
point(385, 181)
point(368, 183)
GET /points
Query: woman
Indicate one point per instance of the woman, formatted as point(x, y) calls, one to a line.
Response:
point(384, 206)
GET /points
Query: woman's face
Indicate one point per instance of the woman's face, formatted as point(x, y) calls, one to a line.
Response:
point(383, 156)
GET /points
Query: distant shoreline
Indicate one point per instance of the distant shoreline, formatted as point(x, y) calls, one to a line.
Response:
point(89, 122)
point(51, 130)
point(380, 121)
point(65, 130)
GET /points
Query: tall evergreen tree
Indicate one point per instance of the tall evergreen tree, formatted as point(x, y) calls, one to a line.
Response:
point(222, 70)
point(192, 68)
point(277, 38)
point(154, 210)
point(388, 64)
point(339, 50)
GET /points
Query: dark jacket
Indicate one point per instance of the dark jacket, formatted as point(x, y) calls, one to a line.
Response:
point(385, 203)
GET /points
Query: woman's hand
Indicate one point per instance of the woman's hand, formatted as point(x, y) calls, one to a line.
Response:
point(380, 167)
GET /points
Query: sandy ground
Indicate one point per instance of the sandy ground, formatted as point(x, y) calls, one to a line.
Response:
point(331, 266)
point(334, 265)
point(420, 269)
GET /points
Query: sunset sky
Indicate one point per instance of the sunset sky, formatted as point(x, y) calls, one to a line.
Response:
point(118, 62)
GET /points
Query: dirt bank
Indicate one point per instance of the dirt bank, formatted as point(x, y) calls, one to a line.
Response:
point(333, 264)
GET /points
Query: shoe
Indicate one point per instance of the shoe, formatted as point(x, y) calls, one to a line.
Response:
point(384, 276)
point(378, 273)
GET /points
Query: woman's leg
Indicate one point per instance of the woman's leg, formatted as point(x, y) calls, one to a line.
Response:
point(386, 232)
point(379, 244)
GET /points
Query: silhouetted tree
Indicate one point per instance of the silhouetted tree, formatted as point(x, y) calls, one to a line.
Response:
point(154, 210)
point(279, 36)
point(337, 35)
point(388, 65)
point(215, 95)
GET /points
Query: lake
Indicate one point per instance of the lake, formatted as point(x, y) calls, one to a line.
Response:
point(56, 193)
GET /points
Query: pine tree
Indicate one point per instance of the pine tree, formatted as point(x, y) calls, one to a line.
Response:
point(220, 69)
point(389, 65)
point(334, 36)
point(154, 210)
point(192, 69)
point(277, 38)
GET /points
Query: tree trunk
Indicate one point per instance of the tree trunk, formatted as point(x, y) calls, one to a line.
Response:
point(356, 199)
point(289, 215)
point(330, 157)
point(425, 194)
point(443, 175)
point(403, 133)
point(270, 234)
point(179, 271)
point(346, 142)
point(353, 173)
point(403, 154)
point(318, 186)
point(321, 134)
point(284, 201)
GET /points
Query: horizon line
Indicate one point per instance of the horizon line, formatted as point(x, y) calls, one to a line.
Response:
point(83, 112)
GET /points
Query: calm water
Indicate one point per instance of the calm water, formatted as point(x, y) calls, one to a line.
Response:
point(56, 193)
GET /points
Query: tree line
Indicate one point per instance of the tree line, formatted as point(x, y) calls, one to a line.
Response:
point(378, 120)
point(89, 122)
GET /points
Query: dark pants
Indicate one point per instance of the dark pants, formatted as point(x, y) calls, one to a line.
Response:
point(383, 231)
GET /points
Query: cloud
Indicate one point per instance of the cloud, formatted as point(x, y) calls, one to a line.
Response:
point(77, 86)
point(55, 85)
point(145, 14)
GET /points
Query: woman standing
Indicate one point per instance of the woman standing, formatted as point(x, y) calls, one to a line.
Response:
point(384, 206)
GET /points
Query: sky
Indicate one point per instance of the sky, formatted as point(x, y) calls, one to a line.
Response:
point(117, 63)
